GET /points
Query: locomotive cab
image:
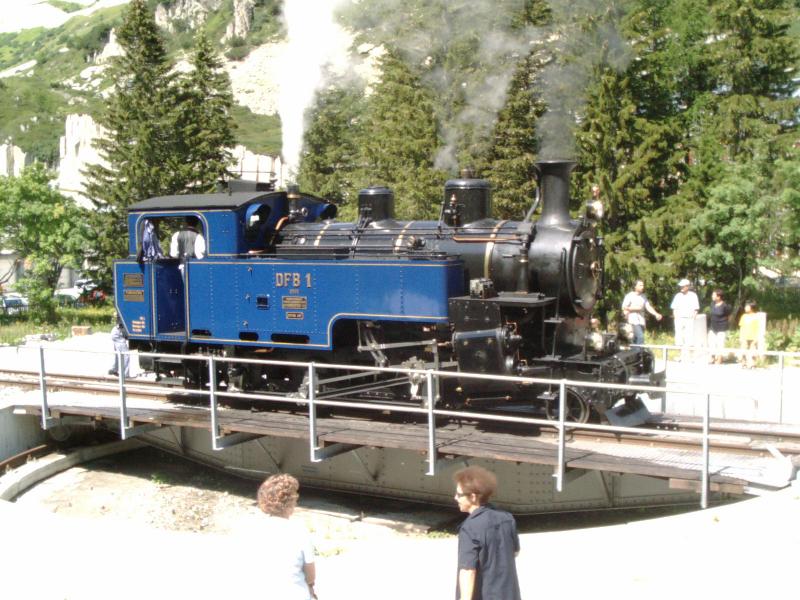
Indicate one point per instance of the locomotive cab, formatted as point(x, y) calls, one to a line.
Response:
point(152, 289)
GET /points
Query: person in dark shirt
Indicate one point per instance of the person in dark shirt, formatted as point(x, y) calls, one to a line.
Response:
point(720, 312)
point(487, 541)
point(150, 248)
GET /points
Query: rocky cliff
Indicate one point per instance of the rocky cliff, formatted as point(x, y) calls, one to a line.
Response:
point(12, 160)
point(77, 151)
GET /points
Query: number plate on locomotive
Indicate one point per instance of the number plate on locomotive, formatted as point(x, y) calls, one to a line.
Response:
point(294, 302)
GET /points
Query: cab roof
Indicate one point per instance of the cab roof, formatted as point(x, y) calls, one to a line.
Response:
point(231, 201)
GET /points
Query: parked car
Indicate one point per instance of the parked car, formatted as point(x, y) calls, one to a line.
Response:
point(67, 296)
point(13, 304)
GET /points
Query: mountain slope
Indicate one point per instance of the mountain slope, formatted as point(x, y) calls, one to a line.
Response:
point(48, 73)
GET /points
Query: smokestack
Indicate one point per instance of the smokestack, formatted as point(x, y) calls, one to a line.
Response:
point(554, 176)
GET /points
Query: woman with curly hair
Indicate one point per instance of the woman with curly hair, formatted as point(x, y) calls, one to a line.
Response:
point(289, 554)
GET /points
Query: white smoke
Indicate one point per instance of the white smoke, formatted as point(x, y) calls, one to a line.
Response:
point(588, 33)
point(315, 42)
point(586, 30)
point(471, 92)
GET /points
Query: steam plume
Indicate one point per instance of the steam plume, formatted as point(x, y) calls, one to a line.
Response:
point(314, 41)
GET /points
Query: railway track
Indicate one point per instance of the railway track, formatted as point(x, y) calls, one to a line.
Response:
point(729, 435)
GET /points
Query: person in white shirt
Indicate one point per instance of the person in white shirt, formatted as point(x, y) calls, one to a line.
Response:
point(188, 242)
point(287, 555)
point(633, 306)
point(685, 306)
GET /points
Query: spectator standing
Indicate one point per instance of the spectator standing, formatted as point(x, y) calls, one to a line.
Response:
point(288, 554)
point(634, 305)
point(487, 541)
point(119, 337)
point(719, 314)
point(685, 306)
point(749, 333)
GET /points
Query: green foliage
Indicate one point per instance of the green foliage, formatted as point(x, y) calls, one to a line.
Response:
point(730, 226)
point(140, 142)
point(14, 329)
point(782, 252)
point(237, 53)
point(753, 57)
point(65, 6)
point(399, 140)
point(45, 227)
point(785, 336)
point(329, 165)
point(40, 92)
point(31, 116)
point(203, 123)
point(514, 150)
point(260, 133)
point(266, 24)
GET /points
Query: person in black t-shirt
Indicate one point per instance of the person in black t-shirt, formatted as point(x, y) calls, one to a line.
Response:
point(719, 314)
point(487, 541)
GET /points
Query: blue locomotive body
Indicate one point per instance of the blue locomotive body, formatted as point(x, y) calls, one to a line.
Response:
point(236, 296)
point(263, 302)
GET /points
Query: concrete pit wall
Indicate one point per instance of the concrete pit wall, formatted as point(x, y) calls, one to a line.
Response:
point(18, 433)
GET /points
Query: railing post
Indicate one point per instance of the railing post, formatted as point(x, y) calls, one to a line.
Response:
point(431, 426)
point(47, 420)
point(212, 399)
point(562, 417)
point(781, 357)
point(706, 466)
point(123, 408)
point(312, 413)
point(665, 350)
point(220, 442)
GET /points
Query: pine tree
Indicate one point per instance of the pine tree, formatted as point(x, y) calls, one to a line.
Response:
point(399, 141)
point(509, 165)
point(741, 126)
point(754, 61)
point(139, 139)
point(203, 122)
point(329, 162)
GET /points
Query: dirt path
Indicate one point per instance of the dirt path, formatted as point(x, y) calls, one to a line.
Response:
point(157, 490)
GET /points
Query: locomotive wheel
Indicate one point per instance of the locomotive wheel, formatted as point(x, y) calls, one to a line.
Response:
point(578, 409)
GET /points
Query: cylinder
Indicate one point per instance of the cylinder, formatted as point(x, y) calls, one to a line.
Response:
point(376, 203)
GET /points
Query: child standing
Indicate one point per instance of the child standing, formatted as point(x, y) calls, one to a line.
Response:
point(749, 330)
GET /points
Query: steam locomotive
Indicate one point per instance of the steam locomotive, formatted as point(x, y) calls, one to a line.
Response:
point(282, 280)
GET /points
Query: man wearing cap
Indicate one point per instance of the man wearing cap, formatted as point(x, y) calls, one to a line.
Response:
point(684, 309)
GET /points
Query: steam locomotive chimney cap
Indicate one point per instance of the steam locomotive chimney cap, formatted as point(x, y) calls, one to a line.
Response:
point(376, 190)
point(293, 191)
point(467, 173)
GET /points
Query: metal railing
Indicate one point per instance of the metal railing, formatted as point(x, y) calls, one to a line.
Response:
point(318, 452)
point(704, 352)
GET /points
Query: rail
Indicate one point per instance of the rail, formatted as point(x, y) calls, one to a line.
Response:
point(317, 453)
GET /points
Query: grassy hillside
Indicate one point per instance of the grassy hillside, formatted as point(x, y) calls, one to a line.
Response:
point(34, 104)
